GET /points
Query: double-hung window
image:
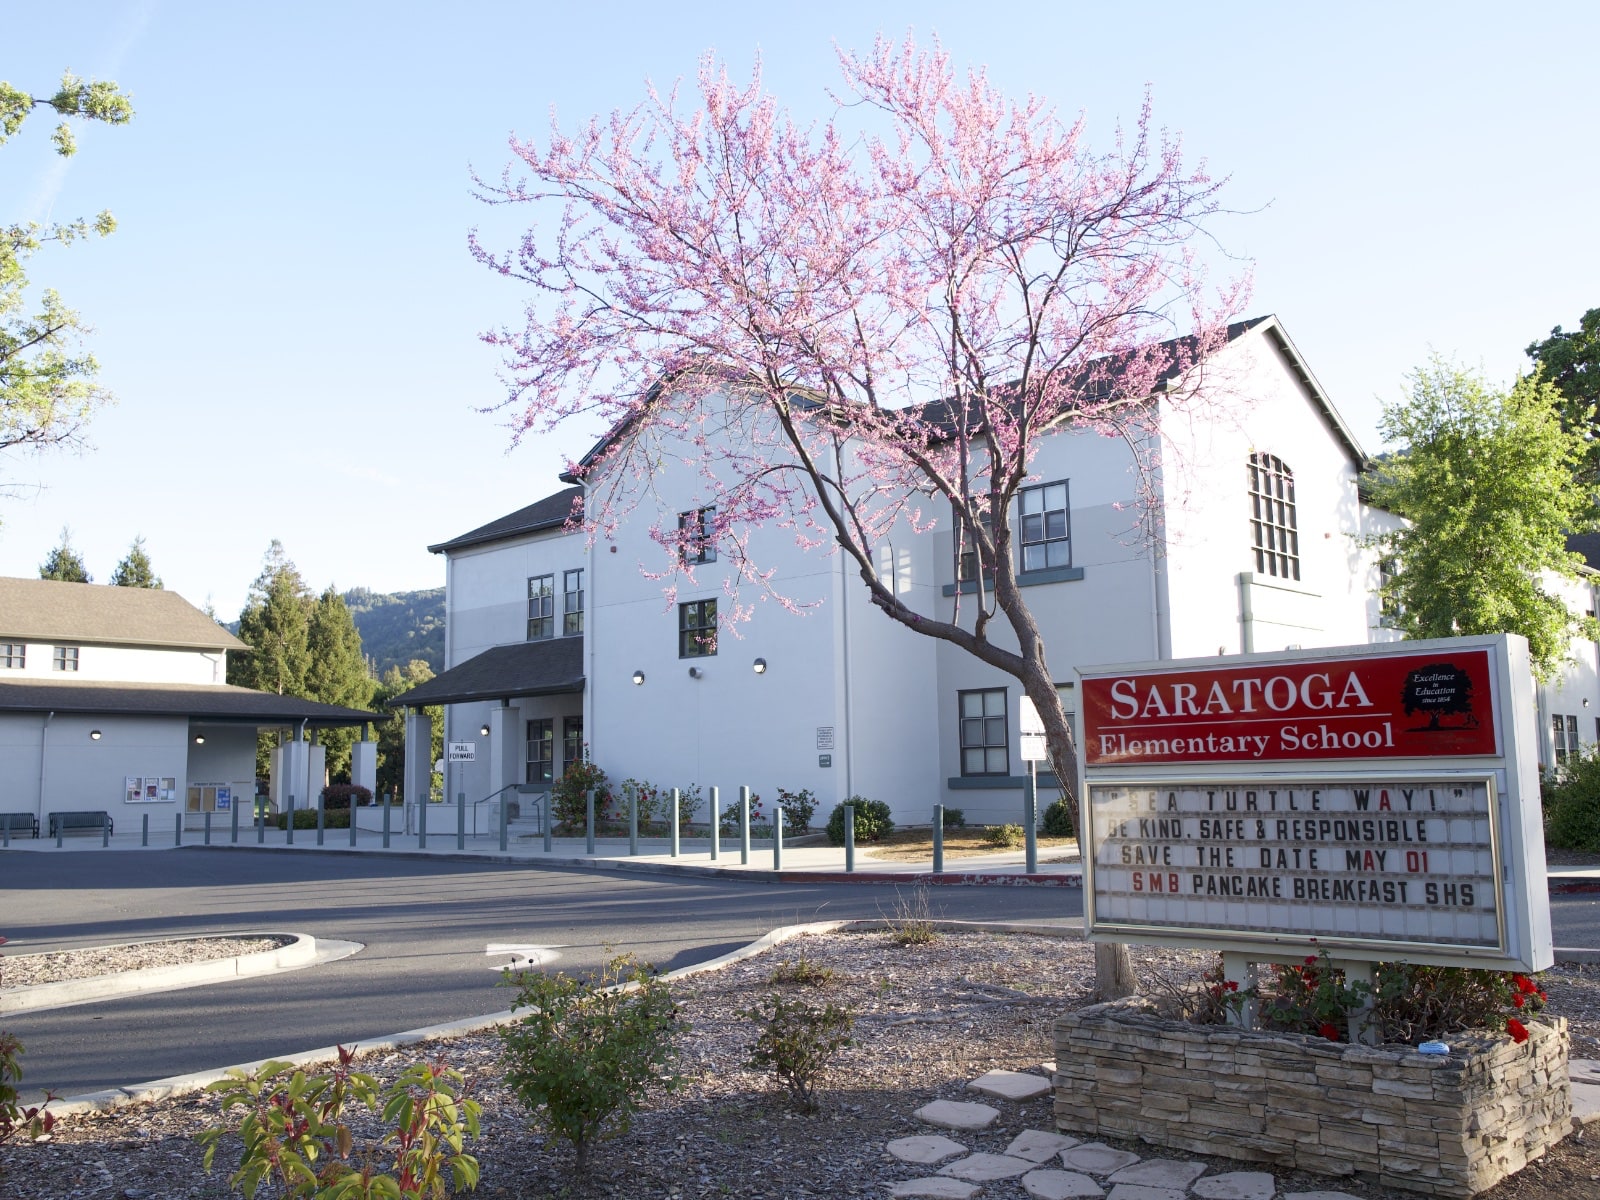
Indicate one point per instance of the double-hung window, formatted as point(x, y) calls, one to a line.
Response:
point(967, 560)
point(571, 742)
point(985, 747)
point(572, 602)
point(697, 629)
point(541, 607)
point(697, 536)
point(1046, 532)
point(1274, 532)
point(65, 659)
point(1565, 731)
point(13, 656)
point(541, 751)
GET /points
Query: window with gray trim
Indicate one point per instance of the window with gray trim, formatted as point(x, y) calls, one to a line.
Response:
point(697, 536)
point(572, 602)
point(541, 607)
point(697, 629)
point(1274, 531)
point(65, 659)
point(985, 747)
point(1046, 534)
point(13, 655)
point(571, 742)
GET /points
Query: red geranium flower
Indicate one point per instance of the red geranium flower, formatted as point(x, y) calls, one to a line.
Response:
point(1331, 1031)
point(1517, 1030)
point(1518, 1000)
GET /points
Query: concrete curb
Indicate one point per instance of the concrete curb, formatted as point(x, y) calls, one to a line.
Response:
point(161, 1089)
point(301, 950)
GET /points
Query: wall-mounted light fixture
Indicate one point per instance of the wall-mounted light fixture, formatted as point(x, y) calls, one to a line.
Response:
point(94, 735)
point(759, 666)
point(695, 673)
point(638, 678)
point(483, 731)
point(199, 739)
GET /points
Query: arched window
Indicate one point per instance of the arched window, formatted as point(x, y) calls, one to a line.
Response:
point(1272, 519)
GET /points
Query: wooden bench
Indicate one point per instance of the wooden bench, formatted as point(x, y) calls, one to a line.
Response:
point(20, 823)
point(61, 822)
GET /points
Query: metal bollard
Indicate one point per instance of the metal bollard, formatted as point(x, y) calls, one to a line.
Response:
point(674, 822)
point(716, 825)
point(207, 822)
point(261, 821)
point(744, 826)
point(322, 815)
point(849, 837)
point(388, 799)
point(777, 837)
point(461, 820)
point(633, 821)
point(5, 835)
point(233, 817)
point(422, 822)
point(177, 833)
point(549, 824)
point(288, 819)
point(589, 820)
point(938, 839)
point(144, 836)
point(105, 831)
point(503, 818)
point(353, 822)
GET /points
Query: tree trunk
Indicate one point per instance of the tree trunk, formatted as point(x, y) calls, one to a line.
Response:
point(1113, 972)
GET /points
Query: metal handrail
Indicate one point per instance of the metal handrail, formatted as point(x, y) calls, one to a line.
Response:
point(522, 788)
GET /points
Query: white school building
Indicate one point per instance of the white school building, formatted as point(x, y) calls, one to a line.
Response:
point(558, 645)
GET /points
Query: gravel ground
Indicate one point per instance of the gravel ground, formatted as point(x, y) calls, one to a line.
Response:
point(929, 1018)
point(28, 970)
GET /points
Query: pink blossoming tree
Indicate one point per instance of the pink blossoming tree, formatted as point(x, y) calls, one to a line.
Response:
point(850, 331)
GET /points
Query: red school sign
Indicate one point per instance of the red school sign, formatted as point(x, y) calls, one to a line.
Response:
point(1383, 706)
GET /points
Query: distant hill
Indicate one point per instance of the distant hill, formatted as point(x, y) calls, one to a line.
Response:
point(396, 627)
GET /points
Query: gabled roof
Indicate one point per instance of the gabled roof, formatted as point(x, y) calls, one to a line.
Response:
point(940, 415)
point(47, 611)
point(547, 667)
point(207, 702)
point(550, 513)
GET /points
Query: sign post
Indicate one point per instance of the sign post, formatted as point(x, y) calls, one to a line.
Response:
point(1379, 802)
point(1030, 729)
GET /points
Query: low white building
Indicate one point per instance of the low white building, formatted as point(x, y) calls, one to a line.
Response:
point(116, 700)
point(557, 646)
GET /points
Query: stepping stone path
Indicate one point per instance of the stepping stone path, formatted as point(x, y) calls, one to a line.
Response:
point(1029, 1165)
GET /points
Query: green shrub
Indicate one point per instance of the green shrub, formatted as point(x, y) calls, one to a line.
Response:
point(306, 818)
point(798, 808)
point(873, 821)
point(729, 824)
point(339, 795)
point(568, 797)
point(1572, 804)
point(801, 970)
point(295, 1138)
point(912, 921)
point(584, 1056)
point(1006, 837)
point(954, 818)
point(796, 1041)
point(1058, 821)
point(32, 1121)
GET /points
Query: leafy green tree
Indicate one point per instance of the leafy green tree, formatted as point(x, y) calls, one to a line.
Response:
point(135, 570)
point(277, 623)
point(336, 674)
point(1571, 362)
point(48, 388)
point(65, 565)
point(1485, 479)
point(391, 733)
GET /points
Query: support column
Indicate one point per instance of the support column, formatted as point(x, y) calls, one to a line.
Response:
point(505, 753)
point(419, 753)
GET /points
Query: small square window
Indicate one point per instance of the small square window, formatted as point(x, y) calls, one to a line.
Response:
point(697, 536)
point(66, 658)
point(697, 629)
point(985, 748)
point(13, 655)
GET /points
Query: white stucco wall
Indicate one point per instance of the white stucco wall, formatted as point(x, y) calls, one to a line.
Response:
point(124, 664)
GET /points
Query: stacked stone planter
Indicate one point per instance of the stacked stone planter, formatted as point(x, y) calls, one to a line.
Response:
point(1449, 1126)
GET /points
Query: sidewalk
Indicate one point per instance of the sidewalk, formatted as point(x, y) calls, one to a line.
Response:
point(800, 863)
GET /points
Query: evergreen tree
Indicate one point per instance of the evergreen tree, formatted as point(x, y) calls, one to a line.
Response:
point(1570, 359)
point(135, 570)
point(391, 732)
point(64, 564)
point(336, 674)
point(1486, 480)
point(276, 622)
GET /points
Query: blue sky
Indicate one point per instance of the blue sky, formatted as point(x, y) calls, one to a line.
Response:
point(289, 316)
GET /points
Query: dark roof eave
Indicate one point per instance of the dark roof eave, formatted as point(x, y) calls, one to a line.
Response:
point(545, 667)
